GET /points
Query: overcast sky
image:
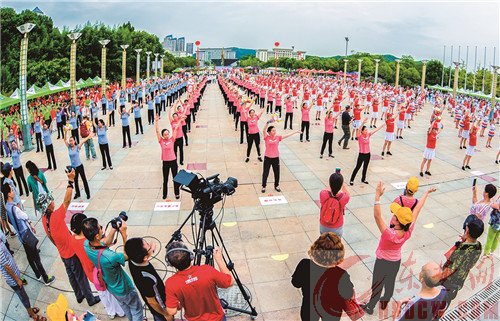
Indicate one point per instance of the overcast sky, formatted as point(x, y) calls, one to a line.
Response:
point(418, 28)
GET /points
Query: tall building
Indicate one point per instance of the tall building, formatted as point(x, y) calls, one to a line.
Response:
point(170, 43)
point(181, 44)
point(265, 55)
point(190, 48)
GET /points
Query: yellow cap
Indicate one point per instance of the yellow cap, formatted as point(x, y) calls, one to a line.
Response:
point(403, 214)
point(412, 185)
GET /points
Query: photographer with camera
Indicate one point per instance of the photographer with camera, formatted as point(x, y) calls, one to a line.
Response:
point(194, 287)
point(109, 263)
point(53, 221)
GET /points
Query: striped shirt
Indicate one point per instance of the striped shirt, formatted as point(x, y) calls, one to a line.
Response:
point(6, 259)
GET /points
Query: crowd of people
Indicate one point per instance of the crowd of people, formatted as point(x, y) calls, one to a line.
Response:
point(86, 248)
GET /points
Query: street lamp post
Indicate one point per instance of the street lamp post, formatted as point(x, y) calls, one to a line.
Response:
point(466, 67)
point(397, 73)
point(156, 64)
point(424, 69)
point(376, 70)
point(197, 43)
point(161, 64)
point(124, 64)
point(494, 84)
point(72, 65)
point(345, 69)
point(103, 64)
point(455, 80)
point(359, 70)
point(23, 61)
point(346, 45)
point(148, 53)
point(475, 71)
point(276, 45)
point(138, 66)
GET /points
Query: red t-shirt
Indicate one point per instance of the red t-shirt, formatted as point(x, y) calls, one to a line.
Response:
point(357, 113)
point(272, 144)
point(167, 148)
point(195, 289)
point(88, 266)
point(402, 114)
point(431, 140)
point(329, 125)
point(305, 114)
point(375, 106)
point(59, 232)
point(473, 137)
point(253, 125)
point(389, 125)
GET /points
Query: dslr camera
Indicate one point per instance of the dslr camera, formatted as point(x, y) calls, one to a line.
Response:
point(116, 222)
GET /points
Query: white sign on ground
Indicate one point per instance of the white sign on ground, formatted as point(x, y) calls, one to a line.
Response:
point(78, 206)
point(273, 200)
point(167, 206)
point(477, 173)
point(399, 185)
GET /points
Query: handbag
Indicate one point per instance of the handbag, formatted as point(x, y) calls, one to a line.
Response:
point(29, 239)
point(97, 278)
point(352, 308)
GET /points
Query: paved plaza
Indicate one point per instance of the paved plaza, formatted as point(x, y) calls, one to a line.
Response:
point(267, 242)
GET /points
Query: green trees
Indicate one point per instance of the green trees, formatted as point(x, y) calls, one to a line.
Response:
point(49, 47)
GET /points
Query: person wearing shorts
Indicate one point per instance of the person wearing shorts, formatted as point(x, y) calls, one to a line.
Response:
point(430, 148)
point(401, 123)
point(389, 134)
point(471, 148)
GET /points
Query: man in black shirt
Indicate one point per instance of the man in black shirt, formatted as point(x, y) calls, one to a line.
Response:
point(145, 277)
point(346, 121)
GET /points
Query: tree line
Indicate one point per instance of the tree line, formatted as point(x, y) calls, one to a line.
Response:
point(49, 49)
point(410, 73)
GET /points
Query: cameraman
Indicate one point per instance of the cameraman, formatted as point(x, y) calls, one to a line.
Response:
point(194, 288)
point(111, 262)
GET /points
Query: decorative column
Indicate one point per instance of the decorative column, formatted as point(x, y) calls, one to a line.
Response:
point(345, 69)
point(156, 64)
point(424, 69)
point(397, 73)
point(103, 64)
point(359, 70)
point(494, 85)
point(124, 64)
point(276, 45)
point(138, 66)
point(148, 53)
point(161, 63)
point(376, 70)
point(23, 61)
point(72, 65)
point(455, 80)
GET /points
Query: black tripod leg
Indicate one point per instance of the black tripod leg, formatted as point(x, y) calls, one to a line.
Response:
point(230, 265)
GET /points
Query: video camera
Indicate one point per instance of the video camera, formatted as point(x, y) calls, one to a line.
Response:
point(208, 190)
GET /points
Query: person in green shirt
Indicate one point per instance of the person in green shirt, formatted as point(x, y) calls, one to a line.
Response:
point(37, 183)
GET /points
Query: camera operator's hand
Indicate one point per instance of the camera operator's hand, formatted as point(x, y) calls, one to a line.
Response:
point(123, 228)
point(71, 175)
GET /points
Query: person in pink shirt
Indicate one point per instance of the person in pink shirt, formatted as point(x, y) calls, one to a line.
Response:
point(243, 119)
point(168, 157)
point(328, 134)
point(175, 119)
point(271, 155)
point(363, 137)
point(288, 111)
point(306, 109)
point(388, 253)
point(253, 133)
point(333, 202)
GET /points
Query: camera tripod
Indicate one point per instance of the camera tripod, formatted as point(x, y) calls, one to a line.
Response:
point(204, 250)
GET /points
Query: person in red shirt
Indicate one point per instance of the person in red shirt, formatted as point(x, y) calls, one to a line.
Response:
point(472, 145)
point(194, 288)
point(53, 221)
point(430, 148)
point(356, 124)
point(328, 134)
point(401, 122)
point(465, 132)
point(374, 113)
point(389, 134)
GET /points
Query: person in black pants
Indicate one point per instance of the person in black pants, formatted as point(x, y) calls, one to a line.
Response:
point(289, 112)
point(346, 121)
point(137, 118)
point(169, 159)
point(388, 254)
point(271, 155)
point(328, 134)
point(124, 115)
point(305, 121)
point(49, 147)
point(363, 136)
point(253, 133)
point(102, 140)
point(176, 120)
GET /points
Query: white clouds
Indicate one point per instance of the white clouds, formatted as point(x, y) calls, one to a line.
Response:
point(417, 28)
